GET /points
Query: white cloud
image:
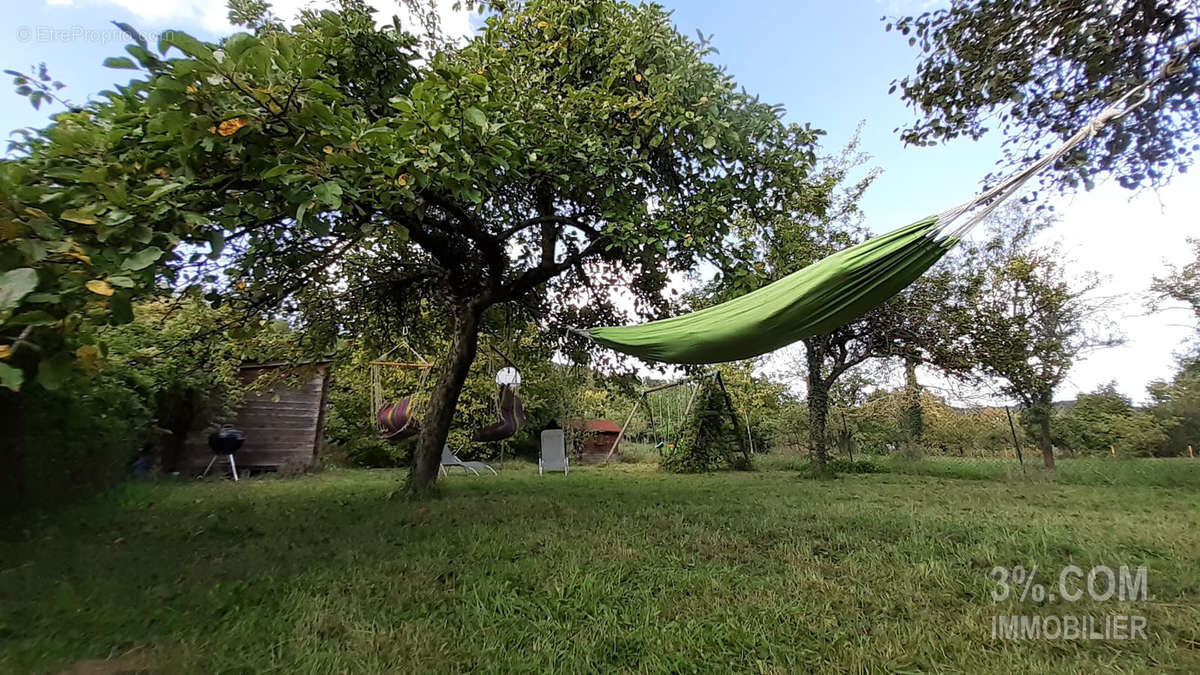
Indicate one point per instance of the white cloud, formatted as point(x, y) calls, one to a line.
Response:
point(211, 15)
point(1129, 241)
point(909, 7)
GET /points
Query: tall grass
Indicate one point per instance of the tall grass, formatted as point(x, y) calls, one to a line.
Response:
point(1166, 473)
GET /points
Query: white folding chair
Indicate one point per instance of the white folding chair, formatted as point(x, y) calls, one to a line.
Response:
point(450, 459)
point(554, 452)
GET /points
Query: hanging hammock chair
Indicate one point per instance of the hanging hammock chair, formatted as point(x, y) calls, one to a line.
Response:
point(512, 417)
point(831, 292)
point(396, 421)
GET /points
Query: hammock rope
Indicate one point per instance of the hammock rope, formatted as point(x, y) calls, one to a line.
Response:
point(846, 285)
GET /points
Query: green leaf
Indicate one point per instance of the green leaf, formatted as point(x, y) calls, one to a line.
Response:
point(120, 62)
point(121, 282)
point(128, 30)
point(196, 219)
point(162, 190)
point(142, 259)
point(43, 298)
point(16, 284)
point(310, 65)
point(37, 317)
point(81, 216)
point(55, 371)
point(185, 43)
point(11, 377)
point(475, 116)
point(329, 192)
point(279, 170)
point(710, 142)
point(216, 239)
point(121, 308)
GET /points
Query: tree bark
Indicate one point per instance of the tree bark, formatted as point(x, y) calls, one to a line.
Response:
point(1041, 407)
point(1044, 437)
point(182, 417)
point(818, 407)
point(912, 393)
point(443, 402)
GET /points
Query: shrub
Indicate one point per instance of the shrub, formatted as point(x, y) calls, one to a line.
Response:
point(707, 441)
point(67, 444)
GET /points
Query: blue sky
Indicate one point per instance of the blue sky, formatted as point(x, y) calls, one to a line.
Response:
point(829, 63)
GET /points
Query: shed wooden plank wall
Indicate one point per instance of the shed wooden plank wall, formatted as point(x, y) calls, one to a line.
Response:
point(596, 445)
point(283, 424)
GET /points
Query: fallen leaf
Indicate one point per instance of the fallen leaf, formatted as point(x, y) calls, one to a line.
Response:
point(230, 126)
point(5, 352)
point(100, 287)
point(89, 356)
point(78, 256)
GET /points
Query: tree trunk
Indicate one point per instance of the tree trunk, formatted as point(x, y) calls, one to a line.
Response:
point(443, 402)
point(1041, 407)
point(913, 415)
point(1044, 437)
point(181, 417)
point(818, 407)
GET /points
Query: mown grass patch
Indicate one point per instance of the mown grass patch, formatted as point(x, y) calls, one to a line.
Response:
point(610, 567)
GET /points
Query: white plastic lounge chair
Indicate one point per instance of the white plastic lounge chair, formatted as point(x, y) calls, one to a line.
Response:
point(554, 452)
point(449, 459)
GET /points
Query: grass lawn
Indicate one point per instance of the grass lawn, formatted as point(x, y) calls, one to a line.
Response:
point(619, 567)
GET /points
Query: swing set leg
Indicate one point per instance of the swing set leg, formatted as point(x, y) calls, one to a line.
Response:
point(617, 442)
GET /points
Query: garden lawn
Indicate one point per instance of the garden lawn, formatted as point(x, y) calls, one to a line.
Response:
point(620, 567)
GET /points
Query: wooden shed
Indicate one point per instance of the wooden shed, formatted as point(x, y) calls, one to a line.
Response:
point(283, 423)
point(592, 439)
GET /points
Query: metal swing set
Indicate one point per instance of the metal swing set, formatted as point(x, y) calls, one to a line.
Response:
point(673, 415)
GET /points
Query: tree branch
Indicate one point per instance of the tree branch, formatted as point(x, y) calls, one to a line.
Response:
point(535, 276)
point(540, 220)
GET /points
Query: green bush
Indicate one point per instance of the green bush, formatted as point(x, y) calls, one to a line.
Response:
point(171, 369)
point(62, 445)
point(1105, 421)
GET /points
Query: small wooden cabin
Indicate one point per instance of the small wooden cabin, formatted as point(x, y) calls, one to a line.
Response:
point(592, 439)
point(283, 423)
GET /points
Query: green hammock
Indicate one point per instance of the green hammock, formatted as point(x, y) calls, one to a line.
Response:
point(812, 301)
point(838, 289)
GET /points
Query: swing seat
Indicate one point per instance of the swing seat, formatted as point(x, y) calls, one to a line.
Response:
point(512, 418)
point(397, 422)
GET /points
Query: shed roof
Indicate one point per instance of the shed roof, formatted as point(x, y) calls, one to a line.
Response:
point(602, 426)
